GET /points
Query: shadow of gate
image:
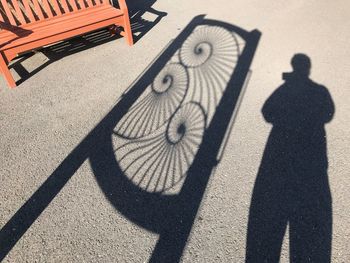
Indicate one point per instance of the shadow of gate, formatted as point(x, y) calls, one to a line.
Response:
point(154, 152)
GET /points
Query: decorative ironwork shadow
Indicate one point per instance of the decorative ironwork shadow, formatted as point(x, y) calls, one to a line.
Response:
point(153, 153)
point(158, 158)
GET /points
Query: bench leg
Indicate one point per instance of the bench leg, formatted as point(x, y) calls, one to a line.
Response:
point(6, 72)
point(127, 30)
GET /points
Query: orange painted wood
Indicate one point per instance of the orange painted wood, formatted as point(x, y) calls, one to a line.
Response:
point(29, 12)
point(38, 11)
point(122, 5)
point(64, 6)
point(1, 18)
point(10, 53)
point(38, 25)
point(73, 4)
point(8, 12)
point(47, 8)
point(43, 22)
point(56, 7)
point(127, 27)
point(6, 72)
point(81, 4)
point(89, 2)
point(61, 26)
point(97, 2)
point(18, 12)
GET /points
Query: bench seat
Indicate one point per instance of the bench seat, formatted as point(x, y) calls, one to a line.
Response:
point(16, 39)
point(59, 26)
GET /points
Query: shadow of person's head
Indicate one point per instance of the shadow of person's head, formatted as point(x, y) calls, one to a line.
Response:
point(301, 65)
point(299, 102)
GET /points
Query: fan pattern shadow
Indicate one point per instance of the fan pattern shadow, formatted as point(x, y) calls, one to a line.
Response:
point(158, 156)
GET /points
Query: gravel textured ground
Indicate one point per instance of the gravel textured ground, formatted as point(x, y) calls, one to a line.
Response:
point(50, 113)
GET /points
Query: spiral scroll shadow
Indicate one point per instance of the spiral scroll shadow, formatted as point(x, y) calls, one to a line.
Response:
point(210, 54)
point(161, 100)
point(210, 46)
point(159, 162)
point(155, 142)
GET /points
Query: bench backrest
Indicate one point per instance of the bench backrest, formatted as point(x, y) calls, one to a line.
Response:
point(21, 12)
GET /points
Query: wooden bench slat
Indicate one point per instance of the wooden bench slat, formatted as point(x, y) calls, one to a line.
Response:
point(18, 10)
point(96, 2)
point(56, 7)
point(81, 4)
point(37, 9)
point(73, 4)
point(28, 9)
point(37, 43)
point(64, 5)
point(89, 2)
point(75, 31)
point(8, 13)
point(1, 17)
point(61, 24)
point(47, 8)
point(37, 25)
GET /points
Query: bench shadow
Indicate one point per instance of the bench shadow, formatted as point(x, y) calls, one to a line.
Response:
point(140, 26)
point(137, 11)
point(291, 186)
point(62, 49)
point(153, 154)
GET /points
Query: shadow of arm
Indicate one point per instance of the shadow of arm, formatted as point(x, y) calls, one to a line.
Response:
point(328, 106)
point(270, 108)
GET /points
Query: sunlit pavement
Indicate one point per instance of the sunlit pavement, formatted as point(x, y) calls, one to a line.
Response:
point(50, 113)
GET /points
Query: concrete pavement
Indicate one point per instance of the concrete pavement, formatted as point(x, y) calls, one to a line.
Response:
point(49, 114)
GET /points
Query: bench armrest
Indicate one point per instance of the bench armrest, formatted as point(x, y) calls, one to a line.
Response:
point(122, 5)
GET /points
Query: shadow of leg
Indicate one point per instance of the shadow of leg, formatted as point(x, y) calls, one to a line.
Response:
point(267, 223)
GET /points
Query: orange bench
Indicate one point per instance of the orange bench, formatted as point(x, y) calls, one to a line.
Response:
point(31, 24)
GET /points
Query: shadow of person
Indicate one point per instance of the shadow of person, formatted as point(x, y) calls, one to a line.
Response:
point(292, 185)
